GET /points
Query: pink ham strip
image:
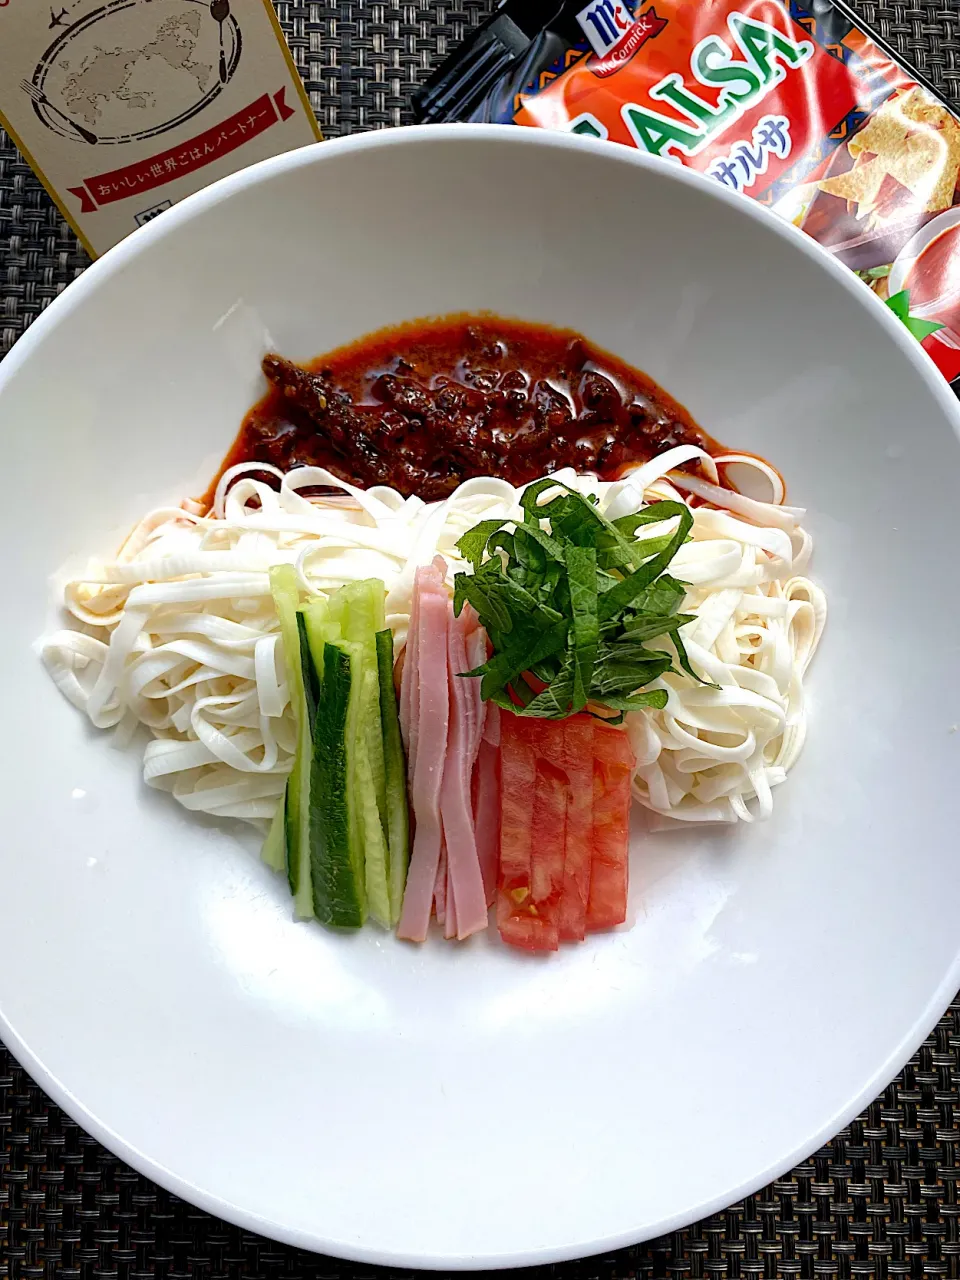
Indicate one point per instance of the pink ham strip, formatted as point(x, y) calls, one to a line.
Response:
point(486, 815)
point(466, 897)
point(440, 885)
point(491, 725)
point(476, 657)
point(486, 786)
point(449, 921)
point(429, 702)
point(476, 650)
point(442, 898)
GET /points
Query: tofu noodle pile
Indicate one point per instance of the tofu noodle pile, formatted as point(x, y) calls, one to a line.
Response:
point(180, 634)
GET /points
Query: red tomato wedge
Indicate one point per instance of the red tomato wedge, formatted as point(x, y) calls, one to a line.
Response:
point(549, 839)
point(564, 835)
point(532, 833)
point(549, 817)
point(518, 775)
point(613, 766)
point(577, 758)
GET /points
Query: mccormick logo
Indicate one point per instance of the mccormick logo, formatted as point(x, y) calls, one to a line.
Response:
point(614, 35)
point(605, 23)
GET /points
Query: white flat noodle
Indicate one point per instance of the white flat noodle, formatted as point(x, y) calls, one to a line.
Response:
point(718, 524)
point(707, 562)
point(232, 475)
point(626, 496)
point(179, 632)
point(758, 465)
point(316, 477)
point(762, 513)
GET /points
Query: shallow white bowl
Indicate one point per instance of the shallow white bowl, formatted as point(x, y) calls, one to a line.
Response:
point(468, 1106)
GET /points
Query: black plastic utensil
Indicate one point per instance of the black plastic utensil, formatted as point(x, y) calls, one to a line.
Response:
point(220, 12)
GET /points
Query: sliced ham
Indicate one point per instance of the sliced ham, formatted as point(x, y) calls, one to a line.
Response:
point(449, 921)
point(440, 885)
point(466, 903)
point(486, 780)
point(491, 725)
point(477, 652)
point(429, 715)
point(486, 814)
point(442, 720)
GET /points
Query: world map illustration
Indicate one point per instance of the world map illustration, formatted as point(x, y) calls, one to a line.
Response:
point(129, 70)
point(121, 75)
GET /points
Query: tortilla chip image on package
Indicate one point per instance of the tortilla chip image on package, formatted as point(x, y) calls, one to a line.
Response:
point(789, 102)
point(911, 148)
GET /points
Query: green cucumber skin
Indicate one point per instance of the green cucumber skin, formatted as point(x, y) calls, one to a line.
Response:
point(286, 594)
point(311, 678)
point(338, 898)
point(342, 827)
point(349, 623)
point(398, 817)
point(291, 826)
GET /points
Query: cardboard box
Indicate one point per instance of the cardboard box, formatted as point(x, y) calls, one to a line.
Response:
point(123, 108)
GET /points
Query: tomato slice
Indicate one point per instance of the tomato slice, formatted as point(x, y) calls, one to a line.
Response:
point(518, 776)
point(577, 757)
point(565, 823)
point(549, 836)
point(528, 932)
point(613, 766)
point(532, 831)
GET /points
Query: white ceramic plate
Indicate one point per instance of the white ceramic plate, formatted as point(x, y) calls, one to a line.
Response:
point(468, 1106)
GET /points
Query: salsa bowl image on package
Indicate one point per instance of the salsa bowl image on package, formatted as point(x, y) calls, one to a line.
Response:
point(790, 102)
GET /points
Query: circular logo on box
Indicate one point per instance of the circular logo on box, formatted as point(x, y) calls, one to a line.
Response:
point(133, 69)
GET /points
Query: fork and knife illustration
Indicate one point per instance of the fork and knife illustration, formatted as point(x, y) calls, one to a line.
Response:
point(40, 98)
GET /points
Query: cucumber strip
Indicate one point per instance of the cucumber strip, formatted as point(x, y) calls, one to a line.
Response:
point(363, 617)
point(285, 587)
point(311, 678)
point(337, 845)
point(336, 855)
point(342, 827)
point(274, 851)
point(363, 791)
point(398, 819)
point(353, 612)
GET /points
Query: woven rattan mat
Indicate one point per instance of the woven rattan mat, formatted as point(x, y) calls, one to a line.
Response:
point(881, 1199)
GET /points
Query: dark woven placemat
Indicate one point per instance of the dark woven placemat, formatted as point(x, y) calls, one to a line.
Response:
point(881, 1199)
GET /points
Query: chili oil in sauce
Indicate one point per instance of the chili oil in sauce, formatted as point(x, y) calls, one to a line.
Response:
point(426, 405)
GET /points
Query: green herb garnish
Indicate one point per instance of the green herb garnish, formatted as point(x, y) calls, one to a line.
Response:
point(899, 304)
point(574, 608)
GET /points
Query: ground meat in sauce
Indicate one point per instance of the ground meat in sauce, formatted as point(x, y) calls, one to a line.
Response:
point(426, 406)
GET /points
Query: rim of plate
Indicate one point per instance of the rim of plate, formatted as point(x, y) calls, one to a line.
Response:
point(114, 261)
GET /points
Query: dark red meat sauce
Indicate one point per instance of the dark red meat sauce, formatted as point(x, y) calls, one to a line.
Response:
point(429, 404)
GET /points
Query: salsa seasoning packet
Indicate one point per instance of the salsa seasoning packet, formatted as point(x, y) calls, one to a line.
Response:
point(790, 102)
point(124, 107)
